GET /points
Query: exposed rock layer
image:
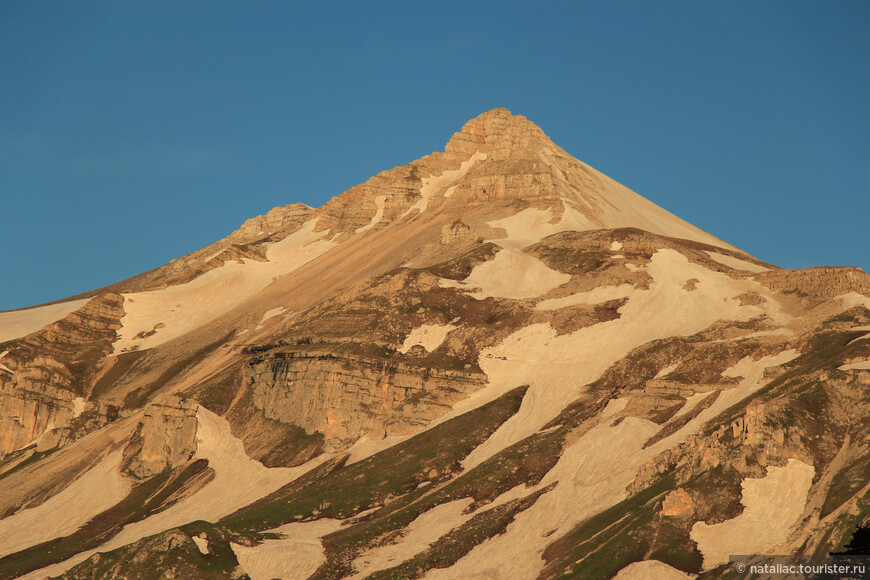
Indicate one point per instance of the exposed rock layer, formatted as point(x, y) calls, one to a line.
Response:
point(168, 437)
point(347, 396)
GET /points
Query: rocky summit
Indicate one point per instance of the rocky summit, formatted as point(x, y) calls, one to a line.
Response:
point(492, 362)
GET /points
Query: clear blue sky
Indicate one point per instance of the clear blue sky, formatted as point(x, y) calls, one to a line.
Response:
point(134, 132)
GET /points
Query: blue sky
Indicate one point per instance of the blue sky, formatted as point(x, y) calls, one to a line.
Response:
point(134, 132)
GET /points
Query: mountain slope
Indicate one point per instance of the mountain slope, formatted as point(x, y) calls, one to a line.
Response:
point(491, 362)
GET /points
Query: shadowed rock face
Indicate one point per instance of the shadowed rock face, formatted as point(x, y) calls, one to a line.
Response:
point(493, 361)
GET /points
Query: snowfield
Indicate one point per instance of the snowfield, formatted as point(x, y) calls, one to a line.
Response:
point(773, 506)
point(174, 311)
point(18, 323)
point(98, 489)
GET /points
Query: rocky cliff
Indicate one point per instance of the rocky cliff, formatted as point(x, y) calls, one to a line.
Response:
point(817, 282)
point(347, 396)
point(168, 437)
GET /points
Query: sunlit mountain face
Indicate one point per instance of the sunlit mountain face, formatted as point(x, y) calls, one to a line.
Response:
point(492, 362)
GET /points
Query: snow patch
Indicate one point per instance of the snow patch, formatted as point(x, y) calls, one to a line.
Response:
point(239, 481)
point(201, 543)
point(531, 225)
point(426, 529)
point(215, 255)
point(651, 570)
point(429, 336)
point(185, 307)
point(853, 299)
point(272, 313)
point(366, 446)
point(595, 296)
point(736, 263)
point(18, 323)
point(297, 555)
point(691, 403)
point(857, 366)
point(513, 274)
point(379, 214)
point(434, 184)
point(667, 370)
point(558, 367)
point(592, 475)
point(773, 506)
point(750, 372)
point(97, 490)
point(78, 406)
point(850, 342)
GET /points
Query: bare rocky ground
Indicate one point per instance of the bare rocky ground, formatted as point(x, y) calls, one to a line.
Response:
point(493, 362)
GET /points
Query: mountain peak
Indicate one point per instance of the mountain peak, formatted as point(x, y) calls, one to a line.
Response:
point(497, 130)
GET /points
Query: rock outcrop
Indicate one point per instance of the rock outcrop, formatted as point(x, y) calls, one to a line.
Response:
point(168, 437)
point(77, 343)
point(456, 232)
point(277, 223)
point(817, 282)
point(36, 405)
point(48, 374)
point(348, 396)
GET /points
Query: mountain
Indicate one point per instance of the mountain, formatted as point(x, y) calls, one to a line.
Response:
point(492, 362)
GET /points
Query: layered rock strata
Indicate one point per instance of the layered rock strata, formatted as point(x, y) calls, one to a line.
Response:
point(347, 396)
point(817, 282)
point(35, 405)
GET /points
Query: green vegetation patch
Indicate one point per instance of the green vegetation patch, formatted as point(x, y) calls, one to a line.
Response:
point(147, 498)
point(525, 462)
point(630, 531)
point(448, 549)
point(169, 554)
point(433, 456)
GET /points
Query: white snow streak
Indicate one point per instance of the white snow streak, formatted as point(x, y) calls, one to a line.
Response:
point(379, 214)
point(736, 263)
point(97, 490)
point(185, 307)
